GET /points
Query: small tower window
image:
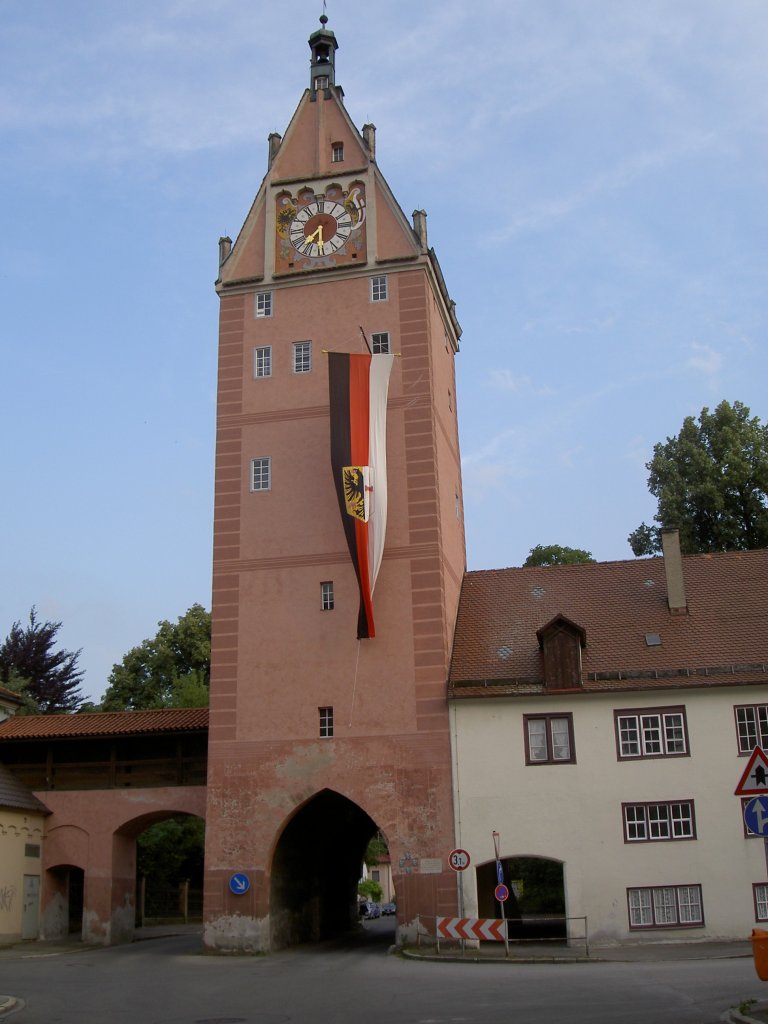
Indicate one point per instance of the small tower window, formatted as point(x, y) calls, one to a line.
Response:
point(337, 152)
point(379, 289)
point(261, 474)
point(326, 596)
point(263, 304)
point(302, 357)
point(380, 342)
point(326, 723)
point(262, 361)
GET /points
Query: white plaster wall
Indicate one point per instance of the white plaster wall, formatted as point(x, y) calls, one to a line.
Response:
point(572, 812)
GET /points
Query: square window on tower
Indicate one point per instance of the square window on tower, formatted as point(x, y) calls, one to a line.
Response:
point(302, 357)
point(261, 474)
point(262, 361)
point(262, 304)
point(326, 723)
point(379, 288)
point(380, 342)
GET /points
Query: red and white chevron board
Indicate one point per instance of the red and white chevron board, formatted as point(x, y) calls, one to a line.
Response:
point(489, 929)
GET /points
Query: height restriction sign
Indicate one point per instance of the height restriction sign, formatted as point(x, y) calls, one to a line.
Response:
point(458, 860)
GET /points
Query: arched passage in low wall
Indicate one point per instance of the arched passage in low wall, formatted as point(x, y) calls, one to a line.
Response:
point(95, 831)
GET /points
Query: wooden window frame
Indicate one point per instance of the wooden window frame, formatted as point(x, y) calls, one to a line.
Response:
point(642, 732)
point(548, 719)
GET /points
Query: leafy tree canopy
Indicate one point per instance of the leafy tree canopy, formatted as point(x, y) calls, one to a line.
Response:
point(170, 851)
point(49, 679)
point(370, 890)
point(19, 685)
point(375, 850)
point(711, 482)
point(555, 554)
point(173, 669)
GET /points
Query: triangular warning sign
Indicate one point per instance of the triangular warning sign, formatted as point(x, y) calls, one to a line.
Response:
point(754, 780)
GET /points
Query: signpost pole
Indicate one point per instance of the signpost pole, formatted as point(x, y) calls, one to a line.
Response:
point(500, 881)
point(459, 861)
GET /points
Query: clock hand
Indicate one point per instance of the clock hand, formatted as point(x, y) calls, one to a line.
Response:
point(317, 234)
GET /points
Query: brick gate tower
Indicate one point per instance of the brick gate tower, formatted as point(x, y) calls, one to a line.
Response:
point(338, 544)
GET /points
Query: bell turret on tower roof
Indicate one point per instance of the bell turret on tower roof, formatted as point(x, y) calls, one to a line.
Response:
point(323, 45)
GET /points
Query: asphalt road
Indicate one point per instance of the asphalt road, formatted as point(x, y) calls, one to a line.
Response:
point(169, 981)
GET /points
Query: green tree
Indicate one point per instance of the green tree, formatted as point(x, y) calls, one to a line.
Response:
point(375, 850)
point(173, 669)
point(555, 554)
point(170, 851)
point(19, 685)
point(370, 890)
point(50, 679)
point(711, 482)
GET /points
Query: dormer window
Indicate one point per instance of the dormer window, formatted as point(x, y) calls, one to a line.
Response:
point(561, 642)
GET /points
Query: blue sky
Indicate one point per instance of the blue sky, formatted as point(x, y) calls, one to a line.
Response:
point(595, 177)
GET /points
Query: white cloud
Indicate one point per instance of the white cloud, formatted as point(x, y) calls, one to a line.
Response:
point(506, 380)
point(705, 359)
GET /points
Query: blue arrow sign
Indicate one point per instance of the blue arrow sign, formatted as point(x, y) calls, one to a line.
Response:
point(239, 883)
point(756, 815)
point(499, 873)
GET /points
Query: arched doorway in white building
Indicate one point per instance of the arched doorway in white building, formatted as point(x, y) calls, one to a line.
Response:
point(536, 908)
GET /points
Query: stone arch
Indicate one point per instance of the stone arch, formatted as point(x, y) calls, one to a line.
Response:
point(64, 888)
point(96, 831)
point(315, 867)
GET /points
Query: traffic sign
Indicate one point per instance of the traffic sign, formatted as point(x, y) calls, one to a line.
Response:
point(754, 778)
point(499, 873)
point(488, 929)
point(239, 883)
point(459, 860)
point(756, 815)
point(501, 892)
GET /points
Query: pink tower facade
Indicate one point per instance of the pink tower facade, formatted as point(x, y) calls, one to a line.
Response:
point(319, 739)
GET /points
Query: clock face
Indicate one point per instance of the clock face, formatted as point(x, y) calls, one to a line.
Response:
point(320, 228)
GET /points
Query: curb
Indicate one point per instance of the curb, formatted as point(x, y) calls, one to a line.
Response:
point(7, 1004)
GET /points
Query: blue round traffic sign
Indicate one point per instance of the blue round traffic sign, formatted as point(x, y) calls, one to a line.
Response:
point(239, 883)
point(756, 815)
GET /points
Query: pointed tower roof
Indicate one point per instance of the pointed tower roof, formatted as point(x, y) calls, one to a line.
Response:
point(321, 166)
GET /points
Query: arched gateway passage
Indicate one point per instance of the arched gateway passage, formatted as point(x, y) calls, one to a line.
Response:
point(315, 870)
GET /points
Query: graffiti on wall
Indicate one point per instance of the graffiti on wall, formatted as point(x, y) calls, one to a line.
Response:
point(7, 896)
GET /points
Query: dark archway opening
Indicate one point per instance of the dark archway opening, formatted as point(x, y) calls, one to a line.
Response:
point(170, 865)
point(535, 909)
point(68, 882)
point(315, 871)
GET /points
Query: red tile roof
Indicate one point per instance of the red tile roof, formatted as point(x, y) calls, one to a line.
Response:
point(104, 723)
point(722, 640)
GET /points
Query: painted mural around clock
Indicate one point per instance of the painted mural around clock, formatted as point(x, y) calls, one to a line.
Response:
point(316, 229)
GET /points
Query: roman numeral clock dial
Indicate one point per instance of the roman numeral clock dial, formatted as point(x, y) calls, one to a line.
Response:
point(320, 228)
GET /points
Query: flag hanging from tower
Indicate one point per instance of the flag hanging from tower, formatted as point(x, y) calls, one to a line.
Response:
point(358, 386)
